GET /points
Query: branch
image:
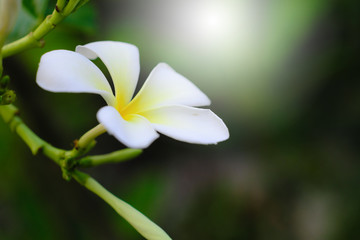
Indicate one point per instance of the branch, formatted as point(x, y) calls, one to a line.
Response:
point(140, 222)
point(114, 157)
point(10, 115)
point(35, 38)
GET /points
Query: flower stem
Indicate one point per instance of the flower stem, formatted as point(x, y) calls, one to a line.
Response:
point(90, 135)
point(141, 223)
point(1, 64)
point(114, 157)
point(9, 114)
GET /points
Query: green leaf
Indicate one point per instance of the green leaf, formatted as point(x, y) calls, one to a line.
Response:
point(24, 24)
point(30, 7)
point(36, 8)
point(84, 19)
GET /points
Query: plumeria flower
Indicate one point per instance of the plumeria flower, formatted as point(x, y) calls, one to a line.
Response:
point(166, 103)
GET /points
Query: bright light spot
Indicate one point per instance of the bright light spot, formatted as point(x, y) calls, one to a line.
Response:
point(219, 37)
point(212, 21)
point(208, 25)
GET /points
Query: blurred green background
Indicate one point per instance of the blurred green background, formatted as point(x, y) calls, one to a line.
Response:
point(282, 74)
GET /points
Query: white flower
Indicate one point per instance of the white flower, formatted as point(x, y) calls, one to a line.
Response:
point(165, 104)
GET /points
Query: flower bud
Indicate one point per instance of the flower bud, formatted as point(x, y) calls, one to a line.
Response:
point(8, 97)
point(4, 82)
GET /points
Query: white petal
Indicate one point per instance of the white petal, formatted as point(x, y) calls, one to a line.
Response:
point(188, 124)
point(122, 61)
point(134, 132)
point(163, 87)
point(66, 71)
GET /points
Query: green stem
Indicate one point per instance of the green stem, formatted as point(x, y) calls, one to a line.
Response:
point(34, 39)
point(114, 157)
point(1, 64)
point(65, 159)
point(8, 112)
point(140, 222)
point(83, 145)
point(29, 137)
point(60, 4)
point(71, 7)
point(90, 136)
point(35, 143)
